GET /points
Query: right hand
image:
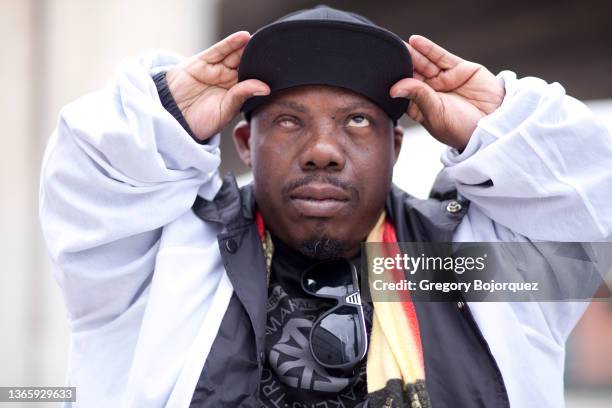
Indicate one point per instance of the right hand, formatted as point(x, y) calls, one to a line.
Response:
point(449, 95)
point(206, 88)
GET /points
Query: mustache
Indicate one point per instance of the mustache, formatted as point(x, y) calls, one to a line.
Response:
point(322, 178)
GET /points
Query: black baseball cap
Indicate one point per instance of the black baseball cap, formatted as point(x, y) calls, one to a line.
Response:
point(325, 46)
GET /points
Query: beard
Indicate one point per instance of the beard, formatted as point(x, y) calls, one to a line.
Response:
point(323, 248)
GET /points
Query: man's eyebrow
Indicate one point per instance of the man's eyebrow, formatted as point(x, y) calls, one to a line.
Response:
point(356, 105)
point(291, 105)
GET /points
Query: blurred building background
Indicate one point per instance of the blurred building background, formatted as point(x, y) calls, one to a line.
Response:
point(53, 51)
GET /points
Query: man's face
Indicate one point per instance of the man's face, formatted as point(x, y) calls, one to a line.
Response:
point(322, 160)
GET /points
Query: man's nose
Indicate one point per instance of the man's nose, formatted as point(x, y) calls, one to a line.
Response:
point(323, 151)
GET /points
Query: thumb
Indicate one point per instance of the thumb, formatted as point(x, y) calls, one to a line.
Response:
point(419, 92)
point(237, 94)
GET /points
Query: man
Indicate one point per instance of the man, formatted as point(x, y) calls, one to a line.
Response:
point(185, 291)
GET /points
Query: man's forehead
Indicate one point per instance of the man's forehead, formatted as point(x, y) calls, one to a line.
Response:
point(306, 98)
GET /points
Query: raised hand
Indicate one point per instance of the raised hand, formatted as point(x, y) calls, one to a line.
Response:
point(206, 88)
point(449, 95)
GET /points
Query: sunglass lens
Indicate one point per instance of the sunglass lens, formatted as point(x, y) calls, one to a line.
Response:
point(334, 339)
point(329, 278)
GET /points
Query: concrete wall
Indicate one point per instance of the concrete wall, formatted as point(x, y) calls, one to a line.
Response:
point(53, 52)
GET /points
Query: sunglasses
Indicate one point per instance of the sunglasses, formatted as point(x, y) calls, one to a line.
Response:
point(338, 338)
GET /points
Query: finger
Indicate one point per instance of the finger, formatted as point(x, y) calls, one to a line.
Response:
point(415, 113)
point(422, 64)
point(419, 93)
point(433, 52)
point(418, 76)
point(225, 47)
point(215, 74)
point(233, 60)
point(453, 78)
point(237, 94)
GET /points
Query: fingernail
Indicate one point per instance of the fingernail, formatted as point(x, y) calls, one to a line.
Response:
point(400, 94)
point(259, 93)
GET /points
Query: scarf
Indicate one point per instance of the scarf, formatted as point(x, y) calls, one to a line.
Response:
point(395, 367)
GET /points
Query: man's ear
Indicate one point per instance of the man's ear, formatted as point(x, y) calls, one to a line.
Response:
point(241, 136)
point(398, 136)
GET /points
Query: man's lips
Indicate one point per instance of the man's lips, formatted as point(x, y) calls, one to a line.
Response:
point(320, 191)
point(319, 199)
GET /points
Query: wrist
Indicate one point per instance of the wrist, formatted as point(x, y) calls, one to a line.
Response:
point(169, 103)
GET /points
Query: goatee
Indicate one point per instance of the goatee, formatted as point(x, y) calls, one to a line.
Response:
point(323, 248)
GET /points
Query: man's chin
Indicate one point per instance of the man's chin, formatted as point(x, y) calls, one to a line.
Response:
point(324, 248)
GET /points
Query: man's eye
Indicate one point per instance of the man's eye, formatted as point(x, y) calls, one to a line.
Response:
point(359, 121)
point(287, 123)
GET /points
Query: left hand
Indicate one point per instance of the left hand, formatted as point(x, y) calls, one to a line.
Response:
point(449, 95)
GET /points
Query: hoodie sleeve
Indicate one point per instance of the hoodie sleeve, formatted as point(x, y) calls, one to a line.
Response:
point(117, 169)
point(540, 166)
point(537, 169)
